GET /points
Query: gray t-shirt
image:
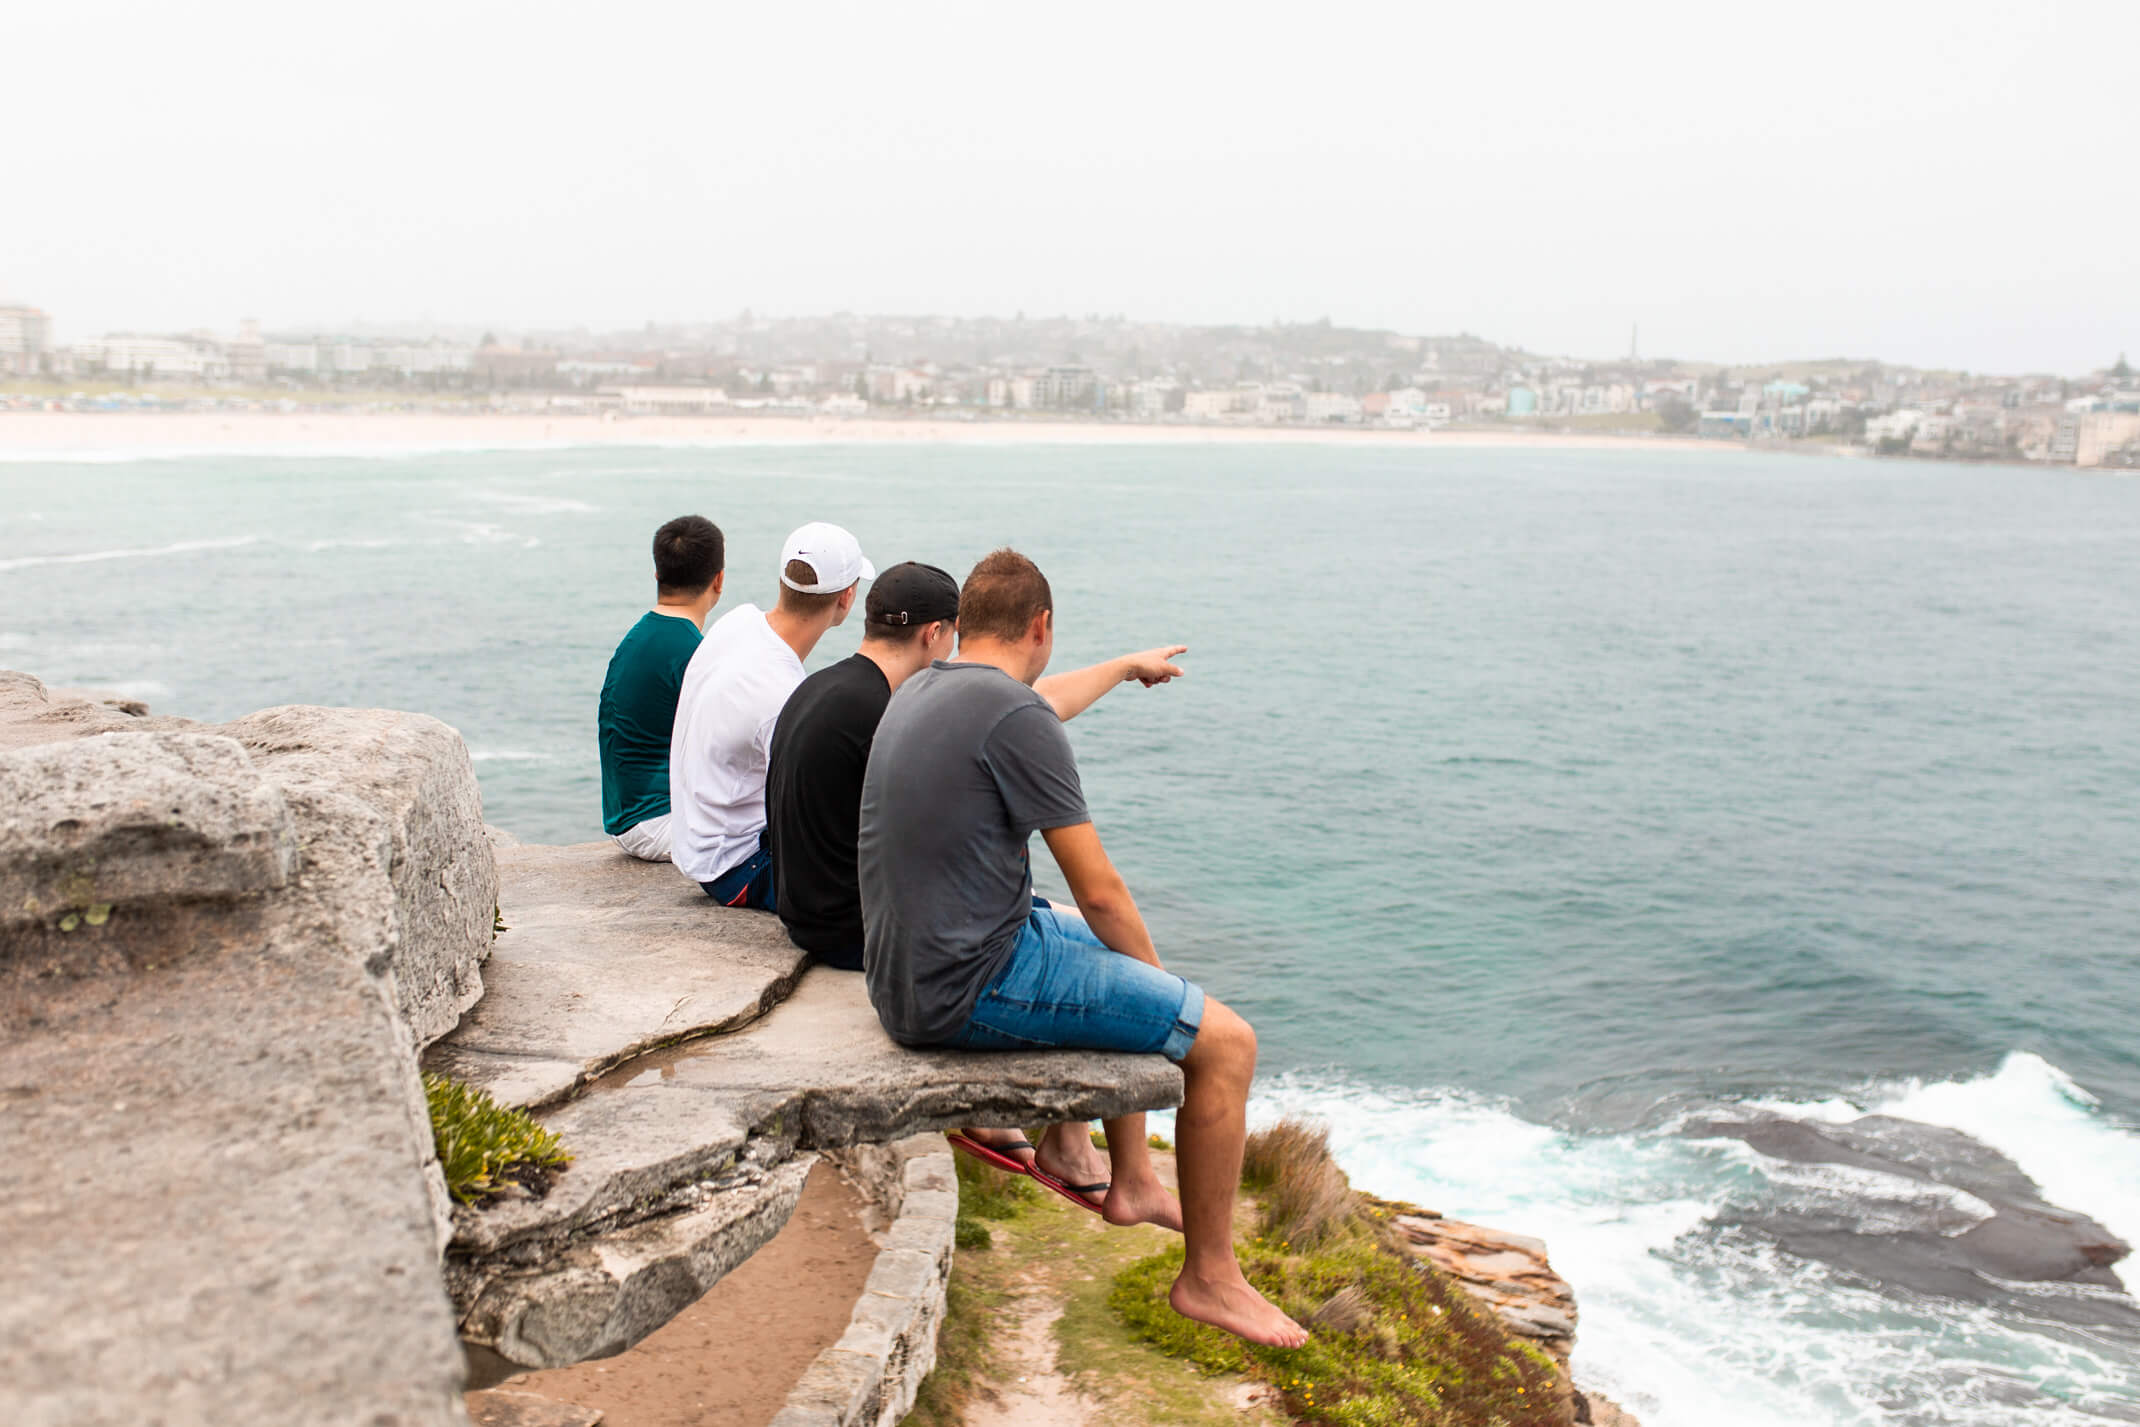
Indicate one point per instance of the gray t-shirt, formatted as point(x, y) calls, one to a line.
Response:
point(967, 765)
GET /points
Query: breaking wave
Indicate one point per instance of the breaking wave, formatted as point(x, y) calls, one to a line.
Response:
point(138, 552)
point(1694, 1313)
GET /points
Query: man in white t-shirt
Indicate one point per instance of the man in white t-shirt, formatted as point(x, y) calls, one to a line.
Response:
point(733, 691)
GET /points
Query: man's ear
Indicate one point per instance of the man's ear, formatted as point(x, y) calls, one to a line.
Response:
point(718, 581)
point(1043, 626)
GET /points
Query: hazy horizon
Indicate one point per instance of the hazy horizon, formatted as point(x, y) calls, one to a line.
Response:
point(1932, 185)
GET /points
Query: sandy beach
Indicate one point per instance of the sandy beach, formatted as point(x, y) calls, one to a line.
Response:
point(30, 435)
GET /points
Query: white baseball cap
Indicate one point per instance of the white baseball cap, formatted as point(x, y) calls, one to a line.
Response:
point(829, 550)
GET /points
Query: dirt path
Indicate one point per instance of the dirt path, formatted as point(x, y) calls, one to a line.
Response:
point(729, 1359)
point(1030, 1390)
point(1056, 1354)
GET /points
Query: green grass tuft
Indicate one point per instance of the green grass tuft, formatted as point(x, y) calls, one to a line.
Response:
point(485, 1148)
point(1395, 1343)
point(987, 1193)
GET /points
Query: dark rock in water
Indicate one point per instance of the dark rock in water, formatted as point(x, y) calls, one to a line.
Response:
point(1927, 1236)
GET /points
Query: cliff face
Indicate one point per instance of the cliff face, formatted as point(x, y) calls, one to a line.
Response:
point(222, 951)
point(218, 948)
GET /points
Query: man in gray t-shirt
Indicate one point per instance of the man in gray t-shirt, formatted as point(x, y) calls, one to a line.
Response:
point(967, 764)
point(976, 763)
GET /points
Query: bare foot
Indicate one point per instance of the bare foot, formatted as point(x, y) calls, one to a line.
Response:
point(1068, 1154)
point(1235, 1306)
point(1146, 1203)
point(1011, 1144)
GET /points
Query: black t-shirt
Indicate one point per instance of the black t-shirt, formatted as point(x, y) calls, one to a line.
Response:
point(813, 805)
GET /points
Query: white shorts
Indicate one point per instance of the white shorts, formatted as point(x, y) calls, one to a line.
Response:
point(647, 841)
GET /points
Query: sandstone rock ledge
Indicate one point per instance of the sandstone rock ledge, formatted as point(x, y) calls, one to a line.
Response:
point(215, 1181)
point(223, 949)
point(1510, 1274)
point(689, 1157)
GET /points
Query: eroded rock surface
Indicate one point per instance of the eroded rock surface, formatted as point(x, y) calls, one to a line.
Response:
point(32, 714)
point(758, 1065)
point(1507, 1272)
point(605, 957)
point(216, 1187)
point(376, 790)
point(130, 819)
point(221, 950)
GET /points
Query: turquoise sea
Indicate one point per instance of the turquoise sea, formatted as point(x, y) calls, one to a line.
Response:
point(1540, 807)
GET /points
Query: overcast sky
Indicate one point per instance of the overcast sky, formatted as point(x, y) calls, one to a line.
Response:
point(1950, 183)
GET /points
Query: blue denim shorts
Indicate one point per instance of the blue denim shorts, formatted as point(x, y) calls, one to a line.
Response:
point(1064, 989)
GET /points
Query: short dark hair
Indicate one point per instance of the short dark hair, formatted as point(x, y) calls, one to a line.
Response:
point(1002, 596)
point(801, 602)
point(897, 633)
point(688, 553)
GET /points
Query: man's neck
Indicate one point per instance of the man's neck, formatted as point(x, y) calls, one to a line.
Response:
point(1012, 659)
point(900, 662)
point(800, 632)
point(692, 610)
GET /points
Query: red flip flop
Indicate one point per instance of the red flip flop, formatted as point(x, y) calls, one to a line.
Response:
point(986, 1154)
point(1075, 1193)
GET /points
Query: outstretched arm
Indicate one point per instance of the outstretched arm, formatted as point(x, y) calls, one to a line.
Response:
point(1078, 690)
point(1102, 896)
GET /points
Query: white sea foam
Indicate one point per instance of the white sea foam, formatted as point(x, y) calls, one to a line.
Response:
point(315, 546)
point(478, 532)
point(142, 552)
point(524, 503)
point(1691, 1324)
point(508, 755)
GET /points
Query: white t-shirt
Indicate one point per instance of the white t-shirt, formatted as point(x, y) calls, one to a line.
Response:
point(734, 688)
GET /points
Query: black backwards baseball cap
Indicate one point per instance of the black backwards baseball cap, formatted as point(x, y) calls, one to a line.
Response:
point(911, 594)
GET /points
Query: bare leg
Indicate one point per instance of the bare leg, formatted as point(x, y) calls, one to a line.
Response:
point(1135, 1196)
point(1067, 1154)
point(1211, 1130)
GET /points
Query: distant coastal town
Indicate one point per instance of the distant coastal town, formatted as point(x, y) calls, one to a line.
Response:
point(1102, 370)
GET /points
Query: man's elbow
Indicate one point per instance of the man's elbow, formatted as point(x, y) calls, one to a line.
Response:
point(1101, 903)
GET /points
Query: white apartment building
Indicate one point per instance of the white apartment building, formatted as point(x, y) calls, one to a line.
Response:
point(2086, 437)
point(1220, 402)
point(1893, 426)
point(1066, 388)
point(1281, 401)
point(1148, 399)
point(25, 338)
point(151, 357)
point(422, 358)
point(291, 356)
point(1326, 407)
point(671, 400)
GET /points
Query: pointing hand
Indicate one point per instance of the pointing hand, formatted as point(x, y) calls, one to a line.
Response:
point(1155, 666)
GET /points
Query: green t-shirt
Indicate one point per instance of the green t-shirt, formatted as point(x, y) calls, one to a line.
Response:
point(638, 711)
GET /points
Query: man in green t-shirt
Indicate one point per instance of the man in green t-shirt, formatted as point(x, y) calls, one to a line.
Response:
point(645, 675)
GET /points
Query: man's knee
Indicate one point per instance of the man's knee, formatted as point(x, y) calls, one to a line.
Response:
point(1223, 1041)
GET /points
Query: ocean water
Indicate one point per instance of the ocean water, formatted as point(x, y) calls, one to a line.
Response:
point(1540, 807)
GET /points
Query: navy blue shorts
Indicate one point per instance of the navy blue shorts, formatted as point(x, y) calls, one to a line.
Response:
point(747, 884)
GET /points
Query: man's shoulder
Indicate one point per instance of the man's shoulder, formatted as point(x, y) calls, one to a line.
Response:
point(977, 686)
point(851, 691)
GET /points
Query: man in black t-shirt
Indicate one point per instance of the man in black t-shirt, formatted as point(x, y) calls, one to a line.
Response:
point(820, 749)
